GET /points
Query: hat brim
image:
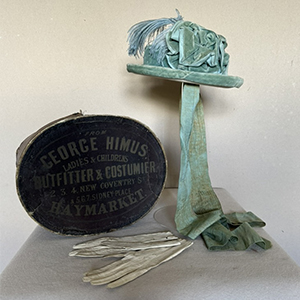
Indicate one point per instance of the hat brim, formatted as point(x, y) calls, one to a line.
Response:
point(210, 79)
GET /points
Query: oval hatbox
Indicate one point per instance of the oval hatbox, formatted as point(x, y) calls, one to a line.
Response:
point(85, 175)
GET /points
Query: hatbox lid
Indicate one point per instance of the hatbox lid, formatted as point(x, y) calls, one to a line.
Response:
point(84, 175)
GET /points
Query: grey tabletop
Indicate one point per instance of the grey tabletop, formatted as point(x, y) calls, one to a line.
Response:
point(42, 268)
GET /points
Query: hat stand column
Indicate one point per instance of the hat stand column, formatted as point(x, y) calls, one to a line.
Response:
point(197, 204)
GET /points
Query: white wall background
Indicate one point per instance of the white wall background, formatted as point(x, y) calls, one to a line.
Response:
point(60, 56)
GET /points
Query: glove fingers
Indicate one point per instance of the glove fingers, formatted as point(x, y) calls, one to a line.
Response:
point(120, 274)
point(105, 272)
point(142, 245)
point(146, 238)
point(138, 257)
point(103, 279)
point(169, 253)
point(158, 259)
point(139, 254)
point(103, 251)
point(120, 268)
point(127, 278)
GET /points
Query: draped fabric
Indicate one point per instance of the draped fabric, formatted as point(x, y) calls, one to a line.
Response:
point(199, 211)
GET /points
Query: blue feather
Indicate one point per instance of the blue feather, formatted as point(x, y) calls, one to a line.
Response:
point(159, 47)
point(144, 31)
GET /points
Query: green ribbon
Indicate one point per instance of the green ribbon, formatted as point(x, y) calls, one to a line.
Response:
point(221, 235)
point(198, 208)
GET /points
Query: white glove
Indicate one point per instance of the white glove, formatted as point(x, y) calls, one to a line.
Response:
point(140, 254)
point(111, 246)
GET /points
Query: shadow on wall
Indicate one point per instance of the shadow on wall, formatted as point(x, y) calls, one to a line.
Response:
point(164, 91)
point(168, 93)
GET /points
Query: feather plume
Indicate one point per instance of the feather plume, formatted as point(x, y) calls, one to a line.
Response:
point(146, 31)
